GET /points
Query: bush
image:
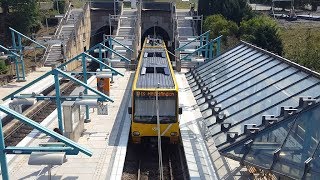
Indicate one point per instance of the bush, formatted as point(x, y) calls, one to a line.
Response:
point(234, 10)
point(61, 6)
point(263, 32)
point(218, 25)
point(3, 67)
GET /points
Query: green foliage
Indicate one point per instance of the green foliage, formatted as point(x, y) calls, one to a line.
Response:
point(218, 25)
point(263, 32)
point(235, 10)
point(3, 67)
point(302, 45)
point(60, 6)
point(22, 15)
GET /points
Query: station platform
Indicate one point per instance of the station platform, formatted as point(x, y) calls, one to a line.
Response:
point(103, 136)
point(13, 86)
point(198, 161)
point(107, 136)
point(203, 159)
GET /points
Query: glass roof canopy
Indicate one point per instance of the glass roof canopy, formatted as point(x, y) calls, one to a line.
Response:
point(261, 110)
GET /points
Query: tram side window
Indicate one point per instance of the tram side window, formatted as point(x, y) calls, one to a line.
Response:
point(145, 109)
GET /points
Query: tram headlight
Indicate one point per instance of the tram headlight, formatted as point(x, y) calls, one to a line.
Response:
point(173, 133)
point(136, 133)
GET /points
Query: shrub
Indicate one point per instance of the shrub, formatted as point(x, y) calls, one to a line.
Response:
point(263, 32)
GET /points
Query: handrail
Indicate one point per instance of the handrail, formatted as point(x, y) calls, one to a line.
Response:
point(45, 54)
point(121, 44)
point(217, 39)
point(62, 20)
point(77, 24)
point(19, 33)
point(200, 48)
point(204, 34)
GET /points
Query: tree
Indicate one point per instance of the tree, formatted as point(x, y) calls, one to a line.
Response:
point(22, 15)
point(263, 32)
point(235, 10)
point(218, 25)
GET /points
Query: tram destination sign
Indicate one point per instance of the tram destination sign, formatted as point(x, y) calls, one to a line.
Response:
point(153, 93)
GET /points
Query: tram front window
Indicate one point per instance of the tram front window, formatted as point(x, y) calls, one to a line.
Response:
point(146, 110)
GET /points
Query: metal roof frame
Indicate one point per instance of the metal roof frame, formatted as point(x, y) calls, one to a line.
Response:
point(71, 149)
point(245, 83)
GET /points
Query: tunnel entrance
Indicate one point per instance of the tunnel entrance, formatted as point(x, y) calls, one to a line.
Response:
point(96, 38)
point(158, 31)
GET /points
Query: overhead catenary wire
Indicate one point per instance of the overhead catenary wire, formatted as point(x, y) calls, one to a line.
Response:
point(159, 135)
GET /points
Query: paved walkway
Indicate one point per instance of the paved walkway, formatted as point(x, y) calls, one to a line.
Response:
point(101, 136)
point(13, 86)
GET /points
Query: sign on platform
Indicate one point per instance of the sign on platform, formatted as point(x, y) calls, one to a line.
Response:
point(102, 109)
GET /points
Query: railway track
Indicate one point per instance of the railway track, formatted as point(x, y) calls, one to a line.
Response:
point(14, 131)
point(142, 163)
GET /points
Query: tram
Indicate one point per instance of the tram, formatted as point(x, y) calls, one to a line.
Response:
point(154, 96)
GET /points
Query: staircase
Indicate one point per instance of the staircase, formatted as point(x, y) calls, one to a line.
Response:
point(125, 35)
point(54, 54)
point(186, 33)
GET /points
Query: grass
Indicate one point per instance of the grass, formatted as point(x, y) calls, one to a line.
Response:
point(301, 44)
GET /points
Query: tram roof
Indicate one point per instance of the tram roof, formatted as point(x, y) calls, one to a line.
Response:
point(155, 70)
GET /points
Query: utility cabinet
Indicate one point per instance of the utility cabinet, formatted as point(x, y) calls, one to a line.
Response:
point(73, 121)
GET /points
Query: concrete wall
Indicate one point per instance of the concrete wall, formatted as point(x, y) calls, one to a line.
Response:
point(79, 38)
point(99, 19)
point(151, 18)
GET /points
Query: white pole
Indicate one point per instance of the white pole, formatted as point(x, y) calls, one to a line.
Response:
point(159, 136)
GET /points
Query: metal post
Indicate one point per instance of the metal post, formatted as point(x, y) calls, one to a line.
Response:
point(47, 25)
point(110, 33)
point(210, 50)
point(207, 47)
point(159, 136)
point(3, 158)
point(201, 44)
point(58, 6)
point(100, 57)
point(114, 7)
point(218, 46)
point(110, 46)
point(14, 47)
point(201, 24)
point(49, 172)
point(58, 101)
point(84, 71)
point(21, 58)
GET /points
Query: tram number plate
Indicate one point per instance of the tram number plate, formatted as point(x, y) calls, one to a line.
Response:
point(102, 109)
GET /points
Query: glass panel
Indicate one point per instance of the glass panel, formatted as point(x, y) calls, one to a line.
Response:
point(236, 153)
point(255, 85)
point(222, 76)
point(271, 111)
point(211, 70)
point(145, 109)
point(264, 145)
point(243, 104)
point(264, 64)
point(223, 57)
point(315, 166)
point(300, 144)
